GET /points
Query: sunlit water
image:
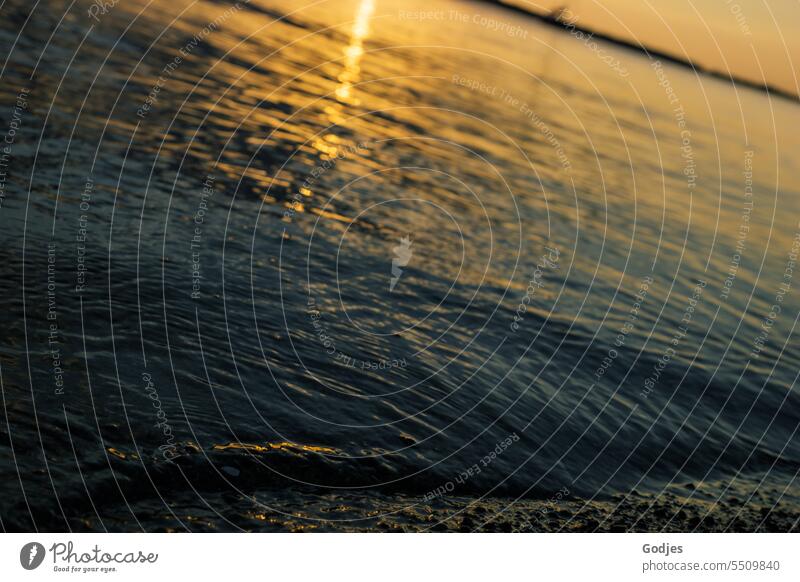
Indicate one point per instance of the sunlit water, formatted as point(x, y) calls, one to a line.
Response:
point(583, 299)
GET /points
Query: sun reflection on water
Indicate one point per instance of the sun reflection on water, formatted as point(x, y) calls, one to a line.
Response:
point(354, 52)
point(329, 144)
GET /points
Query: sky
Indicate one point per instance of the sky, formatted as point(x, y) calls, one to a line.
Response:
point(758, 40)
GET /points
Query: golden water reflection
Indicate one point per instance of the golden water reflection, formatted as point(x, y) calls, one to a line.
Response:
point(354, 52)
point(328, 145)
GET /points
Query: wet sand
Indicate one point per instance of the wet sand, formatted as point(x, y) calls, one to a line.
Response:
point(372, 512)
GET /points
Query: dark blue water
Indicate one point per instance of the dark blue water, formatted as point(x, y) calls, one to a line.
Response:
point(341, 249)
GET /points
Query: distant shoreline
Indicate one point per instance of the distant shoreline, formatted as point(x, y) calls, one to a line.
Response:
point(554, 20)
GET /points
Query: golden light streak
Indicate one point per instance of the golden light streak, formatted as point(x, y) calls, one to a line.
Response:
point(354, 52)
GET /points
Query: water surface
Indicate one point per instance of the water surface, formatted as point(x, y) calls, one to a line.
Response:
point(201, 328)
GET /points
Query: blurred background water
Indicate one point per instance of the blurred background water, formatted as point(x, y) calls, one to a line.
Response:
point(202, 205)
